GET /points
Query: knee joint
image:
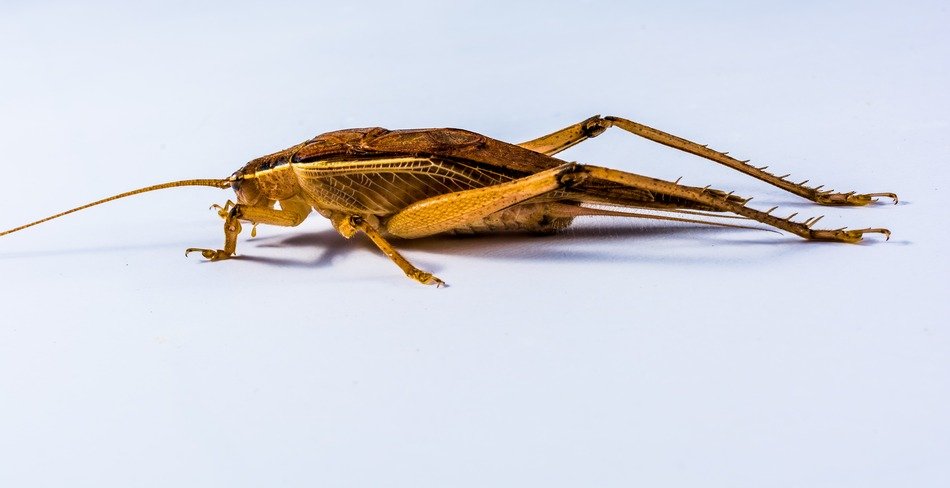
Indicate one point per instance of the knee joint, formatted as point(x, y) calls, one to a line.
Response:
point(573, 175)
point(595, 126)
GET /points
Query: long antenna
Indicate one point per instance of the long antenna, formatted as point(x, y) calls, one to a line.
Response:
point(223, 184)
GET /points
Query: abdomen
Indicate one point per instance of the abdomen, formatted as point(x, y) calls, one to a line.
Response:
point(525, 217)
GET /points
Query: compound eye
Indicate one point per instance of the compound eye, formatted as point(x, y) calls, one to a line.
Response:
point(236, 180)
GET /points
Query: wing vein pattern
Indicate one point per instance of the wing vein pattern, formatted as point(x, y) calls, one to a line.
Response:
point(382, 186)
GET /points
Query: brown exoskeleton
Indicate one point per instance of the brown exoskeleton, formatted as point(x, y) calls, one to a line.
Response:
point(416, 183)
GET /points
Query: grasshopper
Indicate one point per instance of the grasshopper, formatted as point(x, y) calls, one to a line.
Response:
point(421, 182)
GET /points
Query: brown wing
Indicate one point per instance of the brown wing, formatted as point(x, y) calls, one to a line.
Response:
point(456, 144)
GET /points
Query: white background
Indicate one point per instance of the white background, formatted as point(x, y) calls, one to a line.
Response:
point(619, 353)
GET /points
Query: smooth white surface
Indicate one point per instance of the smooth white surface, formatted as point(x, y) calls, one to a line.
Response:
point(620, 353)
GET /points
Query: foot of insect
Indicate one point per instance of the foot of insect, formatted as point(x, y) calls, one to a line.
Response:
point(852, 198)
point(843, 235)
point(425, 278)
point(232, 227)
point(210, 254)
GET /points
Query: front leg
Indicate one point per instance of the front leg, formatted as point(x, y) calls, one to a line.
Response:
point(232, 228)
point(292, 212)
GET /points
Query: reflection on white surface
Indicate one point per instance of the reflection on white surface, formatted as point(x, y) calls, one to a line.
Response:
point(619, 353)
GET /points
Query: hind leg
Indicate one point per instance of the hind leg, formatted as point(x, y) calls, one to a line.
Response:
point(718, 202)
point(569, 136)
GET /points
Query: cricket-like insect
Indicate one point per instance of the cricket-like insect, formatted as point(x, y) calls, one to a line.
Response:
point(421, 182)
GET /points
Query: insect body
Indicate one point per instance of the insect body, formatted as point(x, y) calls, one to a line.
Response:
point(416, 183)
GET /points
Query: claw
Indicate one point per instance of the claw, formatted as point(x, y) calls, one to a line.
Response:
point(428, 279)
point(853, 199)
point(223, 211)
point(209, 254)
point(892, 196)
point(842, 235)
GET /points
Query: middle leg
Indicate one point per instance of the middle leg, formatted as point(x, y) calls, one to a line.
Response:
point(348, 225)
